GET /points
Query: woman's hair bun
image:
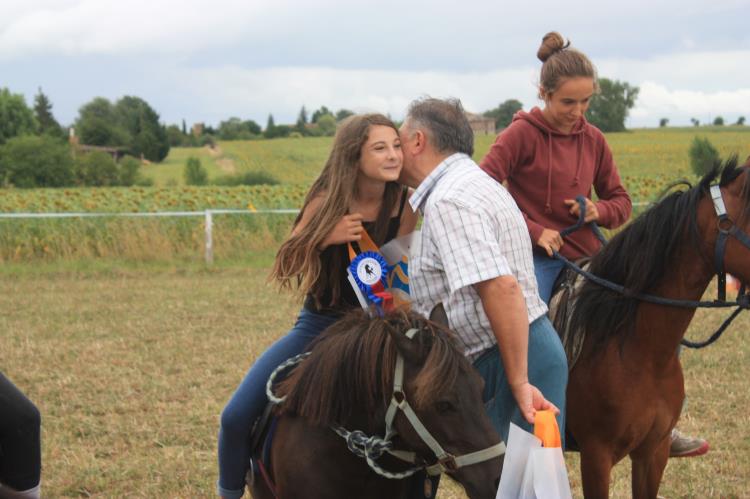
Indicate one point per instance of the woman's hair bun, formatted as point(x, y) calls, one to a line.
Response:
point(551, 43)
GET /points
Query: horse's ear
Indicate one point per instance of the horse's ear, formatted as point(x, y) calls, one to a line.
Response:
point(439, 316)
point(408, 345)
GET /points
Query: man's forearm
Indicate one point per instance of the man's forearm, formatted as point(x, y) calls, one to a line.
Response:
point(505, 307)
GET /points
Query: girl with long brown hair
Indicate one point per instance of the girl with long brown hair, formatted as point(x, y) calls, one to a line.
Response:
point(357, 191)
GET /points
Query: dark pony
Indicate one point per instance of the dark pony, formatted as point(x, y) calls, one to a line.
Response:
point(638, 256)
point(626, 390)
point(347, 382)
point(351, 367)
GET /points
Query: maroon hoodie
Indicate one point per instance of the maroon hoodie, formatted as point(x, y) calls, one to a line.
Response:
point(543, 167)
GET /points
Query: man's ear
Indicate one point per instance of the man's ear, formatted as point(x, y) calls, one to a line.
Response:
point(419, 141)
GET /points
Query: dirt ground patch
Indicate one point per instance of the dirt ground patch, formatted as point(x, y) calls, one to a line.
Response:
point(226, 165)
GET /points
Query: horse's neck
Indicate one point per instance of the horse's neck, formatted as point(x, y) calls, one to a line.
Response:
point(661, 326)
point(370, 423)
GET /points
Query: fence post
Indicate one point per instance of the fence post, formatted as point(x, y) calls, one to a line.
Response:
point(209, 238)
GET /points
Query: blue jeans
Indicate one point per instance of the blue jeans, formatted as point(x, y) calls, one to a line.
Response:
point(546, 270)
point(548, 371)
point(248, 402)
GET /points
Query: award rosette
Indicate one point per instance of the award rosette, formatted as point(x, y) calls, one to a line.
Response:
point(369, 270)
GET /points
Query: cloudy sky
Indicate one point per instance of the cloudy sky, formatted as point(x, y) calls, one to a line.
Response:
point(209, 60)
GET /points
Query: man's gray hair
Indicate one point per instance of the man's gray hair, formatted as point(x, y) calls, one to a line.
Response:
point(444, 122)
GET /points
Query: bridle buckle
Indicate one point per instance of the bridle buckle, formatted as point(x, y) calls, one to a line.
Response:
point(448, 462)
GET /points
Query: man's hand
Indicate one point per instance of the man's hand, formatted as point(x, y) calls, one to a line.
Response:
point(530, 399)
point(346, 230)
point(592, 214)
point(550, 240)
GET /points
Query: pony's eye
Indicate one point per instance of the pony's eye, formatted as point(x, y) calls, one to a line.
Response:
point(443, 406)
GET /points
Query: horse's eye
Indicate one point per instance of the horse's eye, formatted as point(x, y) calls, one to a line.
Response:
point(443, 406)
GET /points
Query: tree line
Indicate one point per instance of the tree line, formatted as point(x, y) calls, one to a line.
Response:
point(35, 151)
point(34, 148)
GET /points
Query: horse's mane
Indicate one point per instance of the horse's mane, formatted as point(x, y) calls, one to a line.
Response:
point(351, 365)
point(638, 256)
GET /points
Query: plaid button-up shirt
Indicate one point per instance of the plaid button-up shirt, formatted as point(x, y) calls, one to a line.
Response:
point(472, 232)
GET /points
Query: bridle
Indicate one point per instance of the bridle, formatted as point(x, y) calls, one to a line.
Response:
point(373, 447)
point(446, 462)
point(726, 228)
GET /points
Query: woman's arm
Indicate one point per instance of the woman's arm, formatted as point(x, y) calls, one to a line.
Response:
point(614, 206)
point(510, 148)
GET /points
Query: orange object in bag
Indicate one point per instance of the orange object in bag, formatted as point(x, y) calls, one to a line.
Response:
point(546, 430)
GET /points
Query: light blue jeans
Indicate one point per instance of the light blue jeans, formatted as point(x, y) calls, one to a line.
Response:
point(546, 270)
point(249, 400)
point(548, 371)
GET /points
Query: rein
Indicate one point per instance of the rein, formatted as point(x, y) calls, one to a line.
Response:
point(741, 303)
point(373, 447)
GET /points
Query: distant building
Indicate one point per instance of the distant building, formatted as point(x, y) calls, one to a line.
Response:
point(115, 152)
point(481, 124)
point(198, 129)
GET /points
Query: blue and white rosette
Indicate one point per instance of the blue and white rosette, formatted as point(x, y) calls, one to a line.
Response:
point(369, 270)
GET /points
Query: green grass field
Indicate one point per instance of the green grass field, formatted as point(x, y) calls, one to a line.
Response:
point(170, 172)
point(131, 368)
point(648, 159)
point(640, 152)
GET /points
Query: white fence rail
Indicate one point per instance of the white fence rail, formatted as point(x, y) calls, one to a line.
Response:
point(206, 214)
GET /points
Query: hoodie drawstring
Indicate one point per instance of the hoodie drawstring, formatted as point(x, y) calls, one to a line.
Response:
point(548, 204)
point(579, 148)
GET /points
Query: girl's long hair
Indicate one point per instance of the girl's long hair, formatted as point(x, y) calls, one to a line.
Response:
point(299, 261)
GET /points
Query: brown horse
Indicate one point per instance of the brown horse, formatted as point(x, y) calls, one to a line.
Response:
point(626, 390)
point(348, 381)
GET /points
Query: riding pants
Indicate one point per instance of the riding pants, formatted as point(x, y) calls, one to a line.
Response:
point(546, 270)
point(249, 400)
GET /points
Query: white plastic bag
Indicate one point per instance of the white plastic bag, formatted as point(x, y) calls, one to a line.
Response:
point(531, 471)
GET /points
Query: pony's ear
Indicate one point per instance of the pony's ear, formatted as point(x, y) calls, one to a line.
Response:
point(439, 316)
point(409, 348)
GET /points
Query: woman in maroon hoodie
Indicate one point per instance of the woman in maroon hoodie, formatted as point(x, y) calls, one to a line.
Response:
point(550, 156)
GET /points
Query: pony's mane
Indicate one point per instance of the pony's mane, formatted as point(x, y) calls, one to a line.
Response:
point(638, 256)
point(351, 366)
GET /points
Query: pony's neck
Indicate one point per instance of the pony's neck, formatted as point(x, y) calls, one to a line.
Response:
point(661, 326)
point(372, 424)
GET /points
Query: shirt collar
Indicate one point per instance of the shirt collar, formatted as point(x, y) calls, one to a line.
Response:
point(425, 188)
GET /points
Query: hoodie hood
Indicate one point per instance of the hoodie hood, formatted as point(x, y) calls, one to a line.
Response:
point(536, 118)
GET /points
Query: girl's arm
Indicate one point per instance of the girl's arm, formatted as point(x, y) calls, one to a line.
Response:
point(614, 206)
point(506, 152)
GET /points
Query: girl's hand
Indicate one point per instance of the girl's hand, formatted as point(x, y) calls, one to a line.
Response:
point(592, 214)
point(550, 240)
point(346, 230)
